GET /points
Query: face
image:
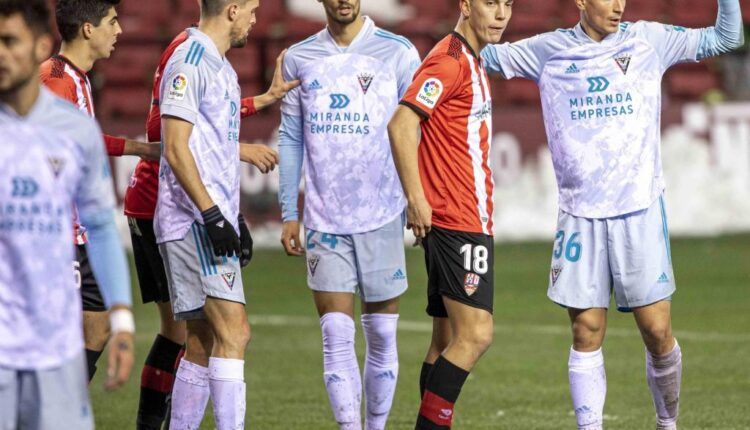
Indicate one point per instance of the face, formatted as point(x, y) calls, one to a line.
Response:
point(244, 20)
point(21, 53)
point(488, 18)
point(103, 37)
point(602, 16)
point(341, 11)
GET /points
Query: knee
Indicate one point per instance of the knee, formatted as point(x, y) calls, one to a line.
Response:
point(588, 333)
point(478, 340)
point(338, 331)
point(236, 336)
point(658, 338)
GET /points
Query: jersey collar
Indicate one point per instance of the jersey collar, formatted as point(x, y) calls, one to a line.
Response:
point(466, 44)
point(207, 41)
point(581, 35)
point(43, 100)
point(365, 31)
point(67, 61)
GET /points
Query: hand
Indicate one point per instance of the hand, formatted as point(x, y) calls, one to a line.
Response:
point(120, 360)
point(290, 239)
point(246, 243)
point(419, 218)
point(279, 87)
point(221, 233)
point(260, 156)
point(147, 151)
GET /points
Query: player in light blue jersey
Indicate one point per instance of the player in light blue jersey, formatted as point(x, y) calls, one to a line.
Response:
point(600, 84)
point(52, 158)
point(352, 76)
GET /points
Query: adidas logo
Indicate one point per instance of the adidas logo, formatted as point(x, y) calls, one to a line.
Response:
point(398, 276)
point(663, 278)
point(315, 85)
point(388, 375)
point(572, 69)
point(333, 378)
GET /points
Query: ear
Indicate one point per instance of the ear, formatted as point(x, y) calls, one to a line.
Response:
point(232, 11)
point(466, 8)
point(43, 47)
point(87, 29)
point(581, 5)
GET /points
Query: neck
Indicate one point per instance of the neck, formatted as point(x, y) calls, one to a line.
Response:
point(22, 100)
point(217, 32)
point(79, 54)
point(344, 34)
point(464, 29)
point(595, 35)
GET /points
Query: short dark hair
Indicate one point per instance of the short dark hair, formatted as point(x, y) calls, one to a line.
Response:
point(71, 15)
point(36, 13)
point(214, 7)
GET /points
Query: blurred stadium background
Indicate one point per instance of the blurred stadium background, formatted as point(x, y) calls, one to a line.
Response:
point(521, 383)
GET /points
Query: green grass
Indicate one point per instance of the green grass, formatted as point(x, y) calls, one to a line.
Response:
point(521, 383)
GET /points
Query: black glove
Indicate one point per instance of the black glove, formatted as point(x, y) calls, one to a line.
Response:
point(246, 242)
point(223, 237)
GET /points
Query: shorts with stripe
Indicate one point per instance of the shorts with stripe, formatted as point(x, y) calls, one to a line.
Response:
point(628, 255)
point(194, 273)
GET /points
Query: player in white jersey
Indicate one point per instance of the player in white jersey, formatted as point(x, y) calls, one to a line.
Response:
point(52, 157)
point(600, 84)
point(352, 75)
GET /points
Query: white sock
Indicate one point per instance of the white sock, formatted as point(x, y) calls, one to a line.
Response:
point(381, 367)
point(341, 369)
point(664, 374)
point(588, 387)
point(227, 382)
point(189, 396)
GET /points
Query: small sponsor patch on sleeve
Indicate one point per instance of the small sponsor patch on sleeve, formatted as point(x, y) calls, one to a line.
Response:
point(430, 93)
point(178, 86)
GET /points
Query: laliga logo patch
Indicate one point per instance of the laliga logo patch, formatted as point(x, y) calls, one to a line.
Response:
point(430, 93)
point(365, 79)
point(471, 283)
point(623, 62)
point(179, 87)
point(555, 273)
point(229, 279)
point(312, 264)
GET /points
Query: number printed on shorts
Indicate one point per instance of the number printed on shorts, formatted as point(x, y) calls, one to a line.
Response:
point(572, 249)
point(330, 239)
point(475, 258)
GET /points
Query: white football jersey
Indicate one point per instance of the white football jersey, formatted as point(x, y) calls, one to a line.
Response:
point(200, 86)
point(602, 109)
point(346, 99)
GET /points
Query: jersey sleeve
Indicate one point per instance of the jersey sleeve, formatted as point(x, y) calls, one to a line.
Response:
point(522, 59)
point(672, 43)
point(61, 87)
point(407, 65)
point(436, 81)
point(291, 104)
point(182, 89)
point(95, 194)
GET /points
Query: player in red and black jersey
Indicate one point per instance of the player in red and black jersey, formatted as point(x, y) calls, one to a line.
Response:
point(157, 377)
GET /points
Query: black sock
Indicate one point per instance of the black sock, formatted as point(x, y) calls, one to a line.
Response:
point(157, 379)
point(442, 388)
point(91, 358)
point(426, 367)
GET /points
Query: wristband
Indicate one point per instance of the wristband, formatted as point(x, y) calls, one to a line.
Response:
point(121, 320)
point(212, 215)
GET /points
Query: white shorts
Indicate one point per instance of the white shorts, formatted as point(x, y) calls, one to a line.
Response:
point(194, 273)
point(629, 254)
point(48, 399)
point(370, 264)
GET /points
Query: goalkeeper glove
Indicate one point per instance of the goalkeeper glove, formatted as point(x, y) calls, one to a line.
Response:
point(221, 233)
point(246, 243)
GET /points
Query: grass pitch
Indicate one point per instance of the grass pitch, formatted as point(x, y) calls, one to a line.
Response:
point(521, 383)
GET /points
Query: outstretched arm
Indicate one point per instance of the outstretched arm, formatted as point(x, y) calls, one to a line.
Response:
point(726, 35)
point(278, 89)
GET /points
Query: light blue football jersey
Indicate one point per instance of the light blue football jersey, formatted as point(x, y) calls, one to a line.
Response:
point(346, 99)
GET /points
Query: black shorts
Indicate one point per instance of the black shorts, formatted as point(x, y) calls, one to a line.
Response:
point(148, 263)
point(91, 297)
point(460, 267)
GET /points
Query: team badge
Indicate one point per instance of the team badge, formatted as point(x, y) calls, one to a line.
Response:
point(56, 164)
point(229, 279)
point(365, 79)
point(623, 62)
point(430, 92)
point(471, 283)
point(178, 87)
point(312, 264)
point(555, 273)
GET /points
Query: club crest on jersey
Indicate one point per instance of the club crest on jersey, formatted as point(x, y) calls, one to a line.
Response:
point(623, 62)
point(555, 273)
point(178, 87)
point(312, 264)
point(471, 283)
point(430, 92)
point(365, 79)
point(56, 164)
point(229, 279)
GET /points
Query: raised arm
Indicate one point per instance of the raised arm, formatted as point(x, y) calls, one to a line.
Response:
point(726, 35)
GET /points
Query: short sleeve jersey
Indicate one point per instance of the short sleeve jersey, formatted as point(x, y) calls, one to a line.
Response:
point(602, 109)
point(452, 95)
point(51, 159)
point(200, 86)
point(345, 100)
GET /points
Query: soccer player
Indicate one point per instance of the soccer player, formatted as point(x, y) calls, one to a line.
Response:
point(448, 184)
point(52, 156)
point(202, 237)
point(89, 29)
point(158, 372)
point(600, 84)
point(353, 74)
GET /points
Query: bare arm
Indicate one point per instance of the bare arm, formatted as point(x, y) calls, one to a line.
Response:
point(177, 152)
point(278, 89)
point(147, 150)
point(403, 131)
